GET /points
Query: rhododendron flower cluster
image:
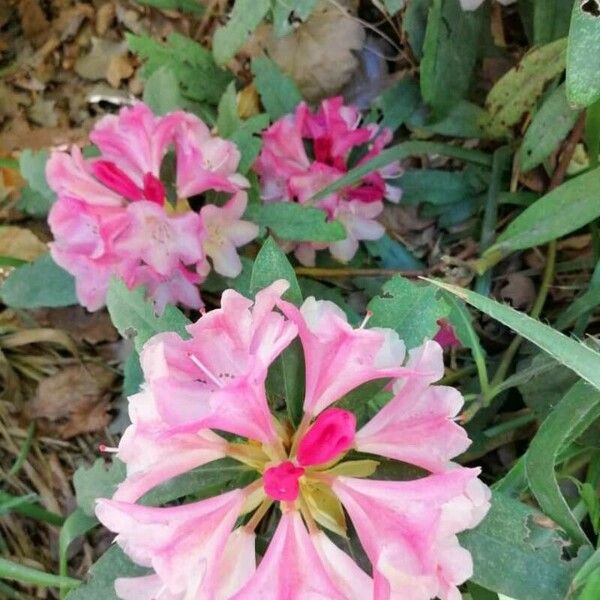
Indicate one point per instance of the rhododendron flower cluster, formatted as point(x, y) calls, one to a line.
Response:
point(304, 152)
point(215, 381)
point(112, 215)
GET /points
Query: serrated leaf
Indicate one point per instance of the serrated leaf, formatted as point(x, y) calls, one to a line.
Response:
point(452, 40)
point(161, 92)
point(399, 102)
point(517, 91)
point(545, 219)
point(101, 584)
point(574, 413)
point(549, 127)
point(517, 552)
point(133, 315)
point(583, 61)
point(411, 309)
point(97, 481)
point(243, 20)
point(574, 355)
point(270, 265)
point(278, 92)
point(298, 223)
point(39, 284)
point(199, 78)
point(228, 119)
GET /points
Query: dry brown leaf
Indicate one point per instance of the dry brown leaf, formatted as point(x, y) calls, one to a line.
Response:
point(19, 242)
point(33, 21)
point(119, 68)
point(70, 20)
point(319, 54)
point(104, 18)
point(82, 325)
point(76, 400)
point(43, 112)
point(519, 291)
point(94, 65)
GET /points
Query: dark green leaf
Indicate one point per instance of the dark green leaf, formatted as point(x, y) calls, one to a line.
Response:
point(449, 53)
point(550, 20)
point(278, 92)
point(295, 222)
point(243, 20)
point(393, 254)
point(414, 24)
point(583, 61)
point(574, 413)
point(270, 265)
point(517, 553)
point(433, 186)
point(134, 316)
point(549, 127)
point(409, 308)
point(39, 284)
point(399, 102)
point(463, 121)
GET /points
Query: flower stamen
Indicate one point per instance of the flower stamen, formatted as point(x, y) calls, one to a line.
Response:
point(206, 371)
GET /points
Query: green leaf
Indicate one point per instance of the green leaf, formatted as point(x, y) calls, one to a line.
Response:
point(247, 141)
point(161, 91)
point(579, 408)
point(393, 6)
point(101, 585)
point(36, 198)
point(409, 308)
point(286, 15)
point(414, 24)
point(434, 186)
point(399, 102)
point(243, 20)
point(133, 315)
point(228, 119)
point(190, 6)
point(278, 92)
point(399, 152)
point(393, 254)
point(463, 121)
point(14, 571)
point(39, 284)
point(583, 304)
point(574, 355)
point(77, 524)
point(97, 481)
point(270, 265)
point(449, 54)
point(517, 553)
point(545, 219)
point(199, 78)
point(516, 92)
point(295, 222)
point(549, 127)
point(550, 20)
point(583, 62)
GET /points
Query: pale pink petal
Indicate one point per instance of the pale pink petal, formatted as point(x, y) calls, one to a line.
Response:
point(291, 568)
point(351, 580)
point(149, 587)
point(339, 358)
point(183, 544)
point(238, 563)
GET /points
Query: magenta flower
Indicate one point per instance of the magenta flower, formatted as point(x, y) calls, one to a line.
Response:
point(112, 215)
point(304, 152)
point(216, 381)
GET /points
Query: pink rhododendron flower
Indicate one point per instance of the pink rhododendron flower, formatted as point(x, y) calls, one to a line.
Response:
point(446, 336)
point(112, 215)
point(304, 152)
point(303, 475)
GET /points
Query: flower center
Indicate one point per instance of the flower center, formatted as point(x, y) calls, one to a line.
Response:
point(281, 482)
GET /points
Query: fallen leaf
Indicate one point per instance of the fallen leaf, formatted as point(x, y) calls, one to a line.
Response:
point(519, 291)
point(33, 21)
point(104, 18)
point(19, 242)
point(81, 325)
point(119, 68)
point(43, 112)
point(74, 401)
point(94, 65)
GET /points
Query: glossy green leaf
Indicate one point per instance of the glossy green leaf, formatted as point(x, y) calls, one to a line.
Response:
point(411, 309)
point(583, 59)
point(135, 318)
point(576, 356)
point(296, 222)
point(517, 92)
point(402, 151)
point(39, 284)
point(161, 92)
point(545, 219)
point(452, 41)
point(243, 20)
point(574, 413)
point(278, 92)
point(101, 583)
point(270, 265)
point(516, 552)
point(550, 126)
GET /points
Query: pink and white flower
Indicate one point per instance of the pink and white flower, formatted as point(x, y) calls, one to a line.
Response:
point(215, 380)
point(288, 174)
point(112, 215)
